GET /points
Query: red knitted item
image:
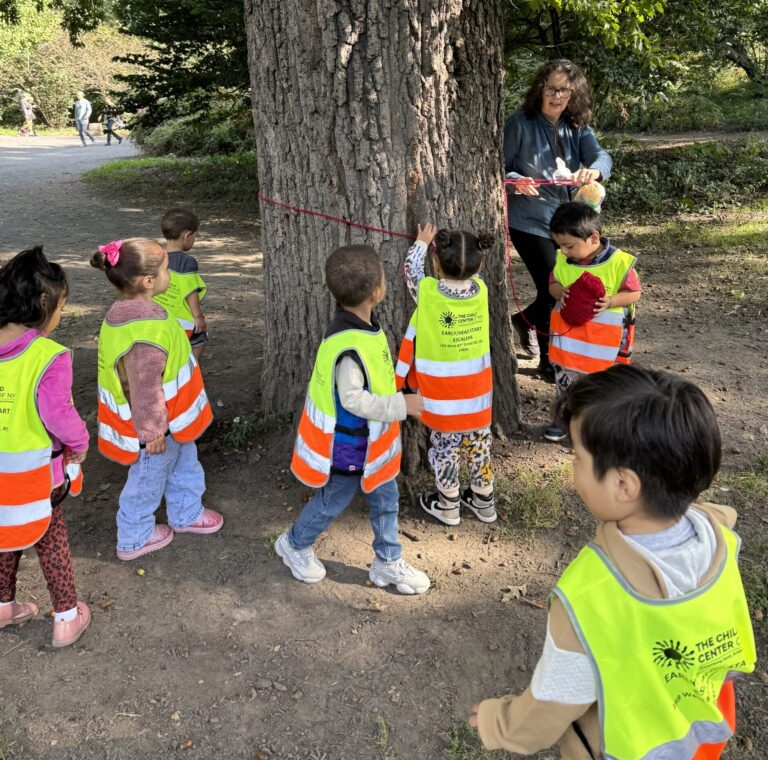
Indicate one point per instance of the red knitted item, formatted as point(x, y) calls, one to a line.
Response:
point(583, 295)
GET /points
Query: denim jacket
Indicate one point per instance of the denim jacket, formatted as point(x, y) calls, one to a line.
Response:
point(531, 146)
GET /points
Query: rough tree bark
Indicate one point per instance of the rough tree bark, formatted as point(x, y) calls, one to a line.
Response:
point(386, 112)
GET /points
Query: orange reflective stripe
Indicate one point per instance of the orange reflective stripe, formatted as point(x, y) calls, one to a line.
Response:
point(186, 395)
point(383, 442)
point(314, 437)
point(404, 367)
point(116, 454)
point(76, 485)
point(726, 703)
point(15, 537)
point(195, 428)
point(115, 421)
point(383, 475)
point(578, 362)
point(19, 488)
point(458, 423)
point(306, 474)
point(591, 332)
point(456, 388)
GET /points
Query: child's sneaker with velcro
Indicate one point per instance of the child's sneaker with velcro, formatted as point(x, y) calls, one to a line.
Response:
point(302, 563)
point(482, 506)
point(446, 510)
point(407, 579)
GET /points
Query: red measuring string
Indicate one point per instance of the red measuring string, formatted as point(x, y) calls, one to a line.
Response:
point(508, 243)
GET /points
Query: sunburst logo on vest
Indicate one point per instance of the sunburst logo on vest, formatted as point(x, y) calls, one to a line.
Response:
point(447, 319)
point(668, 654)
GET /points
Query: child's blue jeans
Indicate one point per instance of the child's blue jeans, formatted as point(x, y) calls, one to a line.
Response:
point(332, 499)
point(176, 474)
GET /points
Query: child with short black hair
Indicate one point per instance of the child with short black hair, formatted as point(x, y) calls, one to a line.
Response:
point(43, 441)
point(446, 356)
point(596, 287)
point(349, 435)
point(649, 624)
point(186, 290)
point(152, 403)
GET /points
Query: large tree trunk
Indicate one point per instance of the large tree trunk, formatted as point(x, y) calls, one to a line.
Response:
point(386, 112)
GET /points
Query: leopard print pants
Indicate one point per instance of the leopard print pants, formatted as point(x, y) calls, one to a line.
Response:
point(55, 562)
point(445, 455)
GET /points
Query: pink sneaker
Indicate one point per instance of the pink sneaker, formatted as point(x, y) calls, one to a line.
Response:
point(160, 538)
point(17, 613)
point(208, 522)
point(68, 632)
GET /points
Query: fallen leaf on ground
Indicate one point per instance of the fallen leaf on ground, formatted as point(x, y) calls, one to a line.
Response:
point(140, 571)
point(186, 745)
point(510, 593)
point(106, 604)
point(175, 716)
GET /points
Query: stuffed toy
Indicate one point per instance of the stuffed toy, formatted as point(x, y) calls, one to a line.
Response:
point(583, 296)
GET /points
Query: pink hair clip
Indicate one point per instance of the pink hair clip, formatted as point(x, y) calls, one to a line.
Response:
point(112, 251)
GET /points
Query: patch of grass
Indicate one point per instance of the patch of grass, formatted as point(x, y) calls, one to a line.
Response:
point(231, 179)
point(534, 498)
point(382, 733)
point(9, 750)
point(41, 132)
point(465, 745)
point(247, 428)
point(269, 544)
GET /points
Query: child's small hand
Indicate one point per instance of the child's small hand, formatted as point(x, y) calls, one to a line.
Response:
point(603, 304)
point(200, 324)
point(426, 234)
point(414, 404)
point(473, 716)
point(564, 297)
point(157, 446)
point(74, 457)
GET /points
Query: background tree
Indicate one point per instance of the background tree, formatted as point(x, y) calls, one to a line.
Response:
point(385, 112)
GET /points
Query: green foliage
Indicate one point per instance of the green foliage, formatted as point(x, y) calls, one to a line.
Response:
point(248, 428)
point(694, 178)
point(534, 498)
point(229, 179)
point(464, 744)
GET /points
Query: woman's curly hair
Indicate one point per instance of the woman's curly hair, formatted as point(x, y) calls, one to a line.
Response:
point(578, 112)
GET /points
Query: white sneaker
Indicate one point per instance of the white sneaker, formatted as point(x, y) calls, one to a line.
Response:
point(408, 579)
point(302, 563)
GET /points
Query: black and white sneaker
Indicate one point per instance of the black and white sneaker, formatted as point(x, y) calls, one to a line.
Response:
point(482, 506)
point(432, 504)
point(555, 434)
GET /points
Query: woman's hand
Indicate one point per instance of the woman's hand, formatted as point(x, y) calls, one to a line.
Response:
point(426, 234)
point(585, 176)
point(157, 446)
point(525, 186)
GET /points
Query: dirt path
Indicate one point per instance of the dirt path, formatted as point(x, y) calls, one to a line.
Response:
point(216, 644)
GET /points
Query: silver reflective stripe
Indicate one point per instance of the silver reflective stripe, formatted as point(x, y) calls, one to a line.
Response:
point(453, 407)
point(190, 415)
point(373, 467)
point(319, 419)
point(453, 369)
point(171, 388)
point(126, 443)
point(25, 513)
point(121, 410)
point(581, 347)
point(24, 461)
point(377, 429)
point(402, 368)
point(186, 324)
point(314, 460)
point(614, 318)
point(410, 333)
point(701, 732)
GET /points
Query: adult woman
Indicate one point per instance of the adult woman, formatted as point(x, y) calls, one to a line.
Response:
point(553, 123)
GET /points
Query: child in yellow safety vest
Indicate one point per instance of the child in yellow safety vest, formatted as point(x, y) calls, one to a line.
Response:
point(186, 289)
point(349, 432)
point(152, 404)
point(43, 441)
point(446, 356)
point(649, 625)
point(607, 338)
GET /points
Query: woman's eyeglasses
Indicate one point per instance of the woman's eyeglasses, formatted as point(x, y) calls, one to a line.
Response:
point(562, 92)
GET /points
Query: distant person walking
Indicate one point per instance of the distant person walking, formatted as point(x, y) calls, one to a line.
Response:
point(111, 122)
point(83, 112)
point(28, 110)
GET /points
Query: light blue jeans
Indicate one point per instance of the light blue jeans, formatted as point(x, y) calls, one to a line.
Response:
point(175, 474)
point(82, 129)
point(332, 499)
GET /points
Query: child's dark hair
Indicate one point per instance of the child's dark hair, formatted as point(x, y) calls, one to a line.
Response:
point(654, 423)
point(575, 219)
point(461, 253)
point(177, 221)
point(352, 272)
point(139, 257)
point(31, 289)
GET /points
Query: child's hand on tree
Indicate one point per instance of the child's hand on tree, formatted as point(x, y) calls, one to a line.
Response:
point(156, 446)
point(426, 234)
point(414, 404)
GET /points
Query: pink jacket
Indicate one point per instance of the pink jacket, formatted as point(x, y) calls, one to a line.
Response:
point(54, 401)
